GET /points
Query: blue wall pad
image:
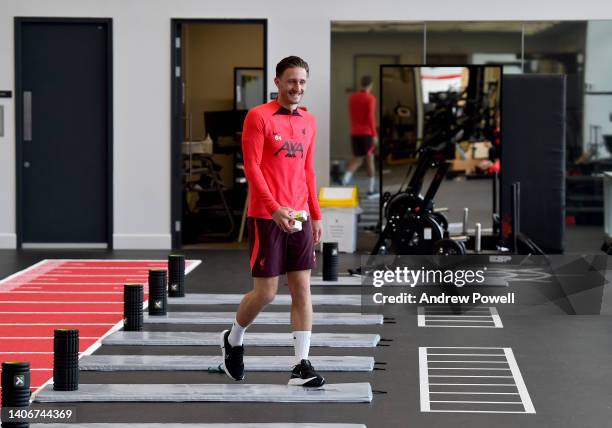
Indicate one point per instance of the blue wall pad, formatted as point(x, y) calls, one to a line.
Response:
point(281, 299)
point(199, 362)
point(319, 318)
point(188, 338)
point(332, 393)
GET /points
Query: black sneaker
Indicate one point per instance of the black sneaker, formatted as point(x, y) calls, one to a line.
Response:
point(304, 374)
point(232, 358)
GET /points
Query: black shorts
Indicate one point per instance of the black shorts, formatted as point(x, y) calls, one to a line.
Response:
point(362, 145)
point(274, 252)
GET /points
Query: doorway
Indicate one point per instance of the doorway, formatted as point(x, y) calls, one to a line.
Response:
point(63, 100)
point(218, 72)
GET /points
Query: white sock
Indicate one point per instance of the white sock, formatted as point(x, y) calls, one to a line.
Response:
point(347, 177)
point(301, 344)
point(236, 335)
point(372, 182)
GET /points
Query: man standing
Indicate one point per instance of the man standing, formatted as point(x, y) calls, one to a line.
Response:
point(278, 143)
point(362, 109)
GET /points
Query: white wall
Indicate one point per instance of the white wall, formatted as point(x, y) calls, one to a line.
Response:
point(141, 37)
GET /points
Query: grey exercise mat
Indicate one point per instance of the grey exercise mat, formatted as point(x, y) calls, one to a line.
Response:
point(270, 318)
point(188, 338)
point(341, 392)
point(200, 362)
point(280, 299)
point(169, 425)
point(354, 281)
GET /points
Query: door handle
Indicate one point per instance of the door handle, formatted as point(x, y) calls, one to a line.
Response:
point(26, 164)
point(27, 116)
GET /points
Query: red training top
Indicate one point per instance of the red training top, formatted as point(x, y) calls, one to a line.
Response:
point(279, 147)
point(362, 108)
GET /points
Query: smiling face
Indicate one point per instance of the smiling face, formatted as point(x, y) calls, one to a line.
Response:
point(291, 86)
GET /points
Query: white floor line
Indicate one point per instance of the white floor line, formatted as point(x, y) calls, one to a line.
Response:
point(485, 317)
point(39, 337)
point(60, 313)
point(421, 316)
point(475, 393)
point(480, 387)
point(458, 316)
point(66, 292)
point(473, 384)
point(464, 347)
point(478, 355)
point(424, 380)
point(464, 361)
point(461, 326)
point(478, 402)
point(476, 411)
point(54, 323)
point(58, 302)
point(467, 368)
point(458, 321)
point(520, 383)
point(76, 275)
point(496, 318)
point(82, 284)
point(470, 376)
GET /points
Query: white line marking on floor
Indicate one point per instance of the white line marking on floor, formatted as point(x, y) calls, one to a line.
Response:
point(496, 318)
point(39, 337)
point(479, 390)
point(67, 292)
point(58, 302)
point(58, 313)
point(482, 317)
point(520, 383)
point(424, 381)
point(56, 323)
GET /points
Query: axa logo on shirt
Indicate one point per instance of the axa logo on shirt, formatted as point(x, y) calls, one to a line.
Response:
point(291, 149)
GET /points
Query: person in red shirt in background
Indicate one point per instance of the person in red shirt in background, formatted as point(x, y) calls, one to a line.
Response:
point(364, 138)
point(278, 143)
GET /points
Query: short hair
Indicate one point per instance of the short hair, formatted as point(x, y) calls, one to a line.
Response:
point(366, 81)
point(290, 62)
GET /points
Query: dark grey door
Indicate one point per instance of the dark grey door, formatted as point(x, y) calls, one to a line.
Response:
point(64, 143)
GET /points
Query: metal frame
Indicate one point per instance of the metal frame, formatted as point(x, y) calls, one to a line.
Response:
point(176, 166)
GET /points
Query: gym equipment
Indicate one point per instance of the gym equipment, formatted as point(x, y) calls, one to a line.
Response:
point(347, 280)
point(16, 389)
point(410, 223)
point(176, 275)
point(270, 318)
point(176, 338)
point(199, 362)
point(133, 297)
point(181, 425)
point(280, 299)
point(330, 261)
point(158, 292)
point(339, 393)
point(66, 360)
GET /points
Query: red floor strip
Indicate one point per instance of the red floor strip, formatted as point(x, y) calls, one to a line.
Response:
point(83, 294)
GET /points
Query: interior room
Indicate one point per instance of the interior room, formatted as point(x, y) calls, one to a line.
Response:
point(415, 232)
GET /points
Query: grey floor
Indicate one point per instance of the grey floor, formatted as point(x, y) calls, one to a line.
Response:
point(565, 360)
